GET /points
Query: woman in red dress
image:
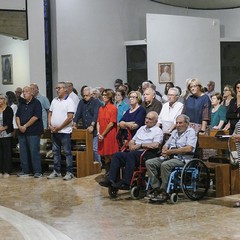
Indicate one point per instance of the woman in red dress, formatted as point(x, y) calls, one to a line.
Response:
point(107, 127)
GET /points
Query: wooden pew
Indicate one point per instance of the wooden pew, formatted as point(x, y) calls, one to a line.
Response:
point(227, 177)
point(85, 157)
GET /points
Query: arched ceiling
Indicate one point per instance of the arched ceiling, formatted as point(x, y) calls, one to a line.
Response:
point(202, 4)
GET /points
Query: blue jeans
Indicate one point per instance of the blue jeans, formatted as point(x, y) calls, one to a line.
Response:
point(62, 140)
point(95, 150)
point(30, 153)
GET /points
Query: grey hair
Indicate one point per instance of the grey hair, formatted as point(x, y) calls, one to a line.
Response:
point(175, 89)
point(64, 84)
point(152, 90)
point(96, 90)
point(186, 118)
point(148, 84)
point(90, 89)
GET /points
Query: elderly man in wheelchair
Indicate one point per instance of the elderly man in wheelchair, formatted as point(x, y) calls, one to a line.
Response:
point(178, 150)
point(149, 137)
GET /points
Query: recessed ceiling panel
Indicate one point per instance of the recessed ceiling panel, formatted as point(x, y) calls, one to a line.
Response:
point(202, 4)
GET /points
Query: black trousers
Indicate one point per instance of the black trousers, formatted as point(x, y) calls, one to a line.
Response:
point(6, 155)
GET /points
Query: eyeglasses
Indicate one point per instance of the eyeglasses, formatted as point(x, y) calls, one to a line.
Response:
point(193, 86)
point(133, 97)
point(172, 95)
point(58, 88)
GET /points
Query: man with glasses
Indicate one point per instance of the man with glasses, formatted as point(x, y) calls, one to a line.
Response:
point(60, 118)
point(118, 82)
point(87, 111)
point(178, 149)
point(18, 93)
point(148, 136)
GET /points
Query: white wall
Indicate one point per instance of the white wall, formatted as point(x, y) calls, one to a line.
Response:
point(13, 4)
point(88, 38)
point(192, 44)
point(37, 44)
point(229, 21)
point(20, 55)
point(28, 56)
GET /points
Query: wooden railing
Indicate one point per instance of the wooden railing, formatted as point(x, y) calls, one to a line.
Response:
point(226, 176)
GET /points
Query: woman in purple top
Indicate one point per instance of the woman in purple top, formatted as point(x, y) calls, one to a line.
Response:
point(198, 107)
point(135, 116)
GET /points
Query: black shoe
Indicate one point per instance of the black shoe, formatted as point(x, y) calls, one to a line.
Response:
point(105, 182)
point(121, 185)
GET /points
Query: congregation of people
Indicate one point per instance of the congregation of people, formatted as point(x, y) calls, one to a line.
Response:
point(169, 123)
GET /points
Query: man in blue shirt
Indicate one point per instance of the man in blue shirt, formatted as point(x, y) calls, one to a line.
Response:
point(30, 125)
point(178, 149)
point(44, 102)
point(87, 110)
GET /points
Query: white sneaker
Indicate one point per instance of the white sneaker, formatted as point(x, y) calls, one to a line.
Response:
point(6, 175)
point(68, 176)
point(54, 174)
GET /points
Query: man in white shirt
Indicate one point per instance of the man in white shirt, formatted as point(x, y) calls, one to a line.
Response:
point(60, 119)
point(148, 136)
point(170, 111)
point(72, 95)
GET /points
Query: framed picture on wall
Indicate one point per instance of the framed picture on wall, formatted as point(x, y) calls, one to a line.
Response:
point(165, 72)
point(7, 69)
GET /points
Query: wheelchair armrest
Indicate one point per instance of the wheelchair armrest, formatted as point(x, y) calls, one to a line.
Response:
point(148, 154)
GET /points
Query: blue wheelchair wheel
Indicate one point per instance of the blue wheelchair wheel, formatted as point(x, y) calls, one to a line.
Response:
point(195, 179)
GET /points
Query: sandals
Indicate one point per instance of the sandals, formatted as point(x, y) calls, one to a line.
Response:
point(237, 204)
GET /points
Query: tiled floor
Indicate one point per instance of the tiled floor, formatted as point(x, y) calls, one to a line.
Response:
point(81, 209)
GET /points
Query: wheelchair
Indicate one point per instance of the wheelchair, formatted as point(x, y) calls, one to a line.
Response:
point(138, 184)
point(193, 180)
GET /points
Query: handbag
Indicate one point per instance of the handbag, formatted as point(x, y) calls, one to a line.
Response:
point(234, 158)
point(233, 154)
